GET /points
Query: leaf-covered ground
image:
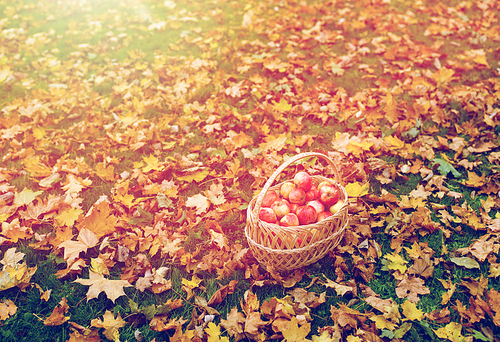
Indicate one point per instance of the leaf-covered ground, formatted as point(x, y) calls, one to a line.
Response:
point(134, 133)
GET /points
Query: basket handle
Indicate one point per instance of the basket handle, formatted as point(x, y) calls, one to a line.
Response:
point(283, 166)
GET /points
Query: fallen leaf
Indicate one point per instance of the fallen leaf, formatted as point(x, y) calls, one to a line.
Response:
point(98, 284)
point(110, 324)
point(57, 317)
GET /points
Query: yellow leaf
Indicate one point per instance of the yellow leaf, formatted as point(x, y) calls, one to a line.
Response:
point(110, 325)
point(324, 337)
point(382, 323)
point(282, 106)
point(395, 142)
point(99, 219)
point(452, 331)
point(25, 197)
point(68, 217)
point(395, 262)
point(358, 147)
point(38, 132)
point(15, 273)
point(197, 176)
point(336, 69)
point(127, 200)
point(193, 283)
point(152, 163)
point(443, 75)
point(411, 312)
point(213, 332)
point(355, 189)
point(296, 333)
point(481, 59)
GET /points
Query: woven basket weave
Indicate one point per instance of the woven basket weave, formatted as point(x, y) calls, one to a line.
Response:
point(288, 248)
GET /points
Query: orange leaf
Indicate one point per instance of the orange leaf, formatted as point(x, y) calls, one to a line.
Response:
point(57, 316)
point(7, 309)
point(99, 219)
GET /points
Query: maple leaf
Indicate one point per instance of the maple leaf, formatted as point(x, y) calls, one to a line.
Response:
point(411, 312)
point(296, 333)
point(57, 316)
point(474, 180)
point(110, 325)
point(86, 239)
point(452, 331)
point(216, 194)
point(253, 323)
point(25, 197)
point(15, 273)
point(324, 337)
point(340, 289)
point(99, 218)
point(395, 262)
point(336, 69)
point(152, 163)
point(383, 323)
point(443, 75)
point(411, 287)
point(213, 332)
point(234, 323)
point(355, 189)
point(200, 202)
point(98, 284)
point(7, 309)
point(74, 185)
point(445, 167)
point(68, 217)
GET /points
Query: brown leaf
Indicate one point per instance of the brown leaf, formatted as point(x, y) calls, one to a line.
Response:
point(234, 324)
point(57, 316)
point(253, 323)
point(411, 287)
point(221, 293)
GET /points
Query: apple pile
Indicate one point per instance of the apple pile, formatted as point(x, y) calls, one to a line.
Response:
point(300, 202)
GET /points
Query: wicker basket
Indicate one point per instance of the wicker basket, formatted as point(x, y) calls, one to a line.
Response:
point(288, 248)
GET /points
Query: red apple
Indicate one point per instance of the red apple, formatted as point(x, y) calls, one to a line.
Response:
point(303, 180)
point(281, 207)
point(323, 183)
point(312, 194)
point(328, 194)
point(323, 215)
point(298, 196)
point(286, 188)
point(293, 207)
point(269, 198)
point(336, 207)
point(306, 214)
point(320, 207)
point(268, 215)
point(289, 220)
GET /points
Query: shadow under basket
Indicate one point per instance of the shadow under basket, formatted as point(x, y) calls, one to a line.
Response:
point(288, 248)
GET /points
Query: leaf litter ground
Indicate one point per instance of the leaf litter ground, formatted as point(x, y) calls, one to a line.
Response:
point(133, 134)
